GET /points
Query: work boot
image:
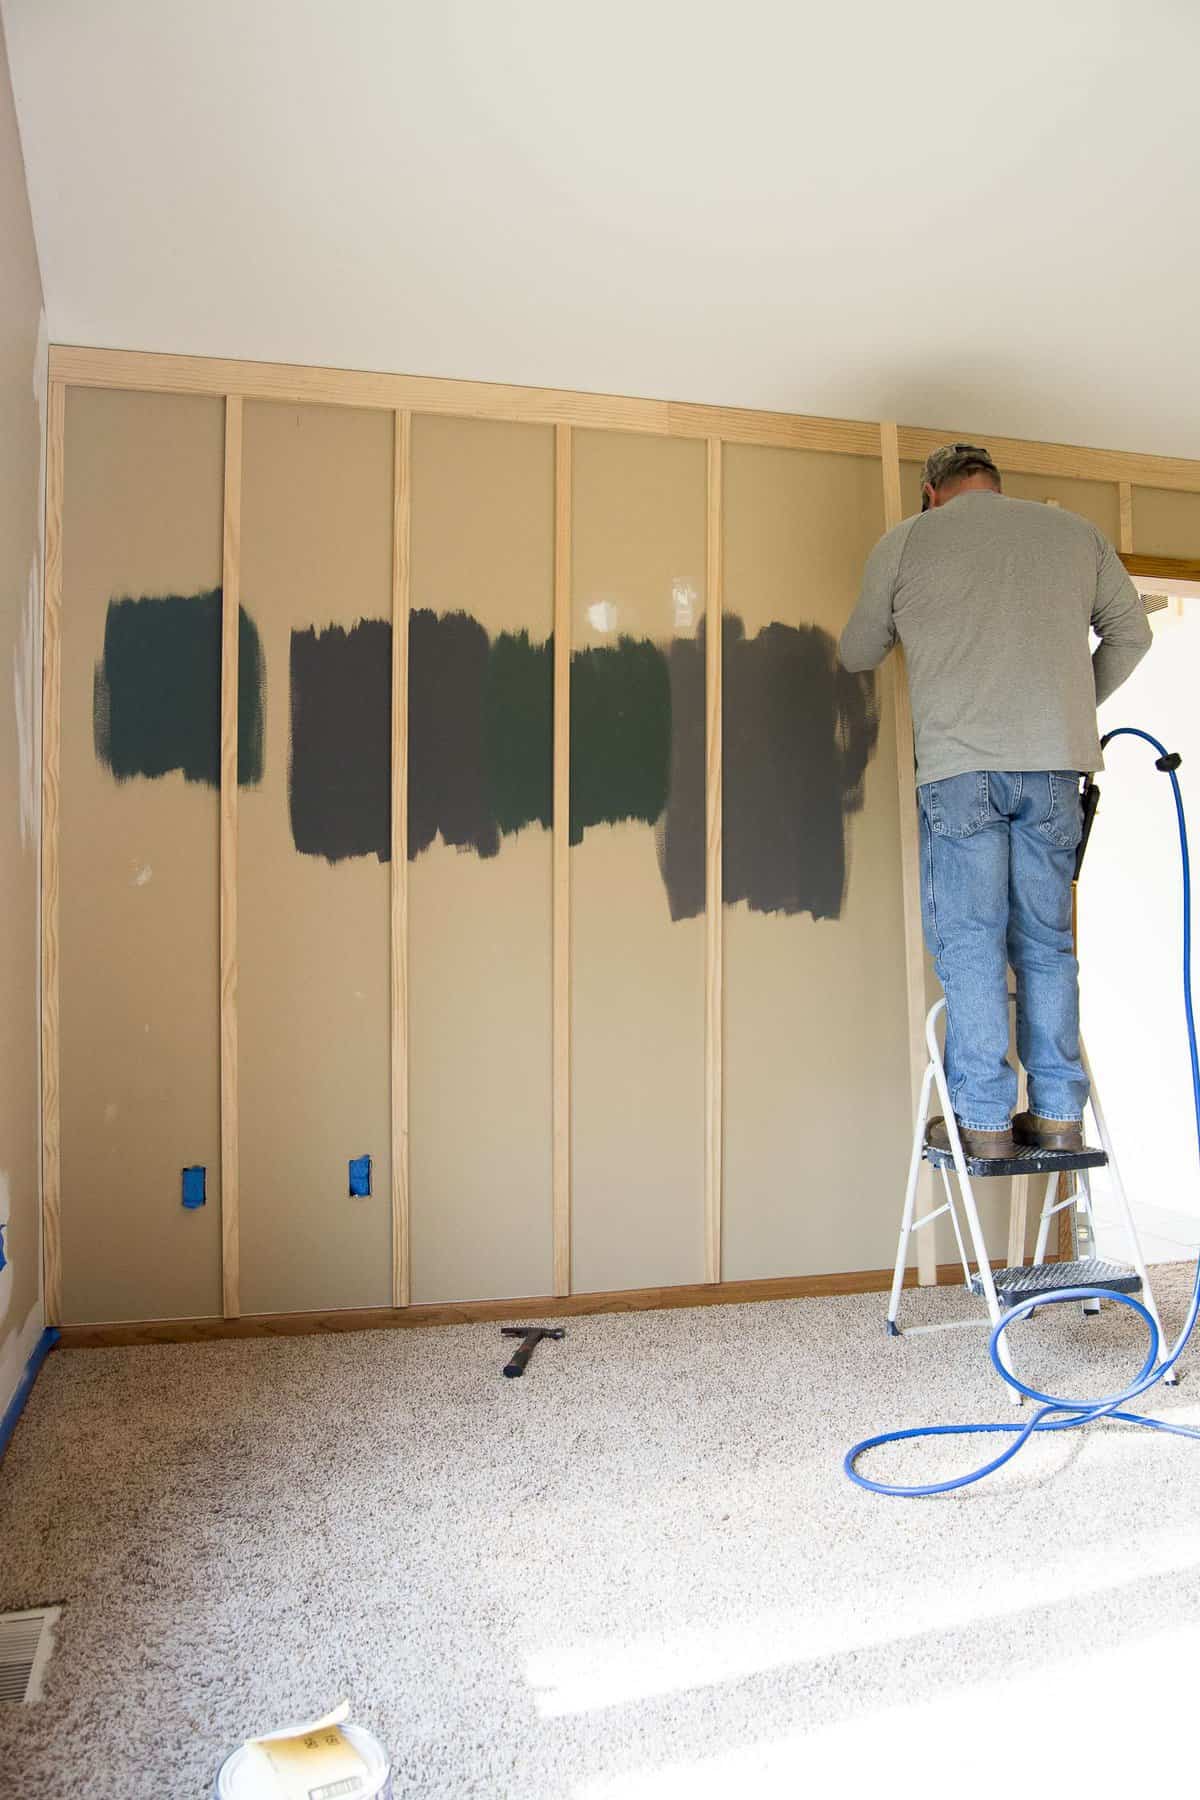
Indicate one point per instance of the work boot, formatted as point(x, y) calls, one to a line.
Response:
point(985, 1144)
point(1048, 1134)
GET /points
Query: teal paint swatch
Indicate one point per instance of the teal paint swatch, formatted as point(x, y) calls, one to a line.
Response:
point(156, 696)
point(620, 735)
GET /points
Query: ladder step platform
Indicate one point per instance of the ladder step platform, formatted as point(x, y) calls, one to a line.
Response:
point(1015, 1285)
point(1027, 1159)
point(1067, 1202)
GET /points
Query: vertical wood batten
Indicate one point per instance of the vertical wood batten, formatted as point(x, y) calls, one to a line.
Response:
point(52, 1271)
point(910, 860)
point(562, 861)
point(1069, 1184)
point(401, 580)
point(713, 887)
point(1125, 491)
point(231, 575)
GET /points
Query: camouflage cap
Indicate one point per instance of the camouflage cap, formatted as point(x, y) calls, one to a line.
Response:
point(953, 460)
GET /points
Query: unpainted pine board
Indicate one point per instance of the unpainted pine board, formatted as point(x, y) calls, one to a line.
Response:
point(561, 875)
point(399, 1065)
point(84, 366)
point(1125, 542)
point(910, 868)
point(293, 383)
point(474, 1312)
point(1072, 462)
point(1179, 575)
point(230, 603)
point(714, 980)
point(52, 1271)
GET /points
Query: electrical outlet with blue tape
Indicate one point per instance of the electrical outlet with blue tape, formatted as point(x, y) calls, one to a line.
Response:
point(195, 1186)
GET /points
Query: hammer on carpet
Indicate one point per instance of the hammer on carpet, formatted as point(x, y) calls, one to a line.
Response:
point(530, 1336)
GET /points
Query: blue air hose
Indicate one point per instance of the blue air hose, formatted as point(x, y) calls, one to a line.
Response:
point(1056, 1413)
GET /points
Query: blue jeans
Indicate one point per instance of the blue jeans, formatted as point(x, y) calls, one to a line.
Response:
point(997, 858)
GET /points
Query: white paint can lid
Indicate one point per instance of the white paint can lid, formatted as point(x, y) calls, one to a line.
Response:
point(247, 1776)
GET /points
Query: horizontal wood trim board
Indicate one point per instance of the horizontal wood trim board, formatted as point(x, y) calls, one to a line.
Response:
point(1077, 462)
point(482, 1312)
point(1167, 568)
point(83, 366)
point(295, 382)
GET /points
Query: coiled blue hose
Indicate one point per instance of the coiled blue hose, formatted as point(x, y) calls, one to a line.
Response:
point(1056, 1413)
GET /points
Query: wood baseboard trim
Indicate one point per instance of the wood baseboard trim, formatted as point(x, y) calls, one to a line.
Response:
point(477, 1312)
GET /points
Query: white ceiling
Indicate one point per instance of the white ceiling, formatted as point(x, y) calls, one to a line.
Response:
point(980, 216)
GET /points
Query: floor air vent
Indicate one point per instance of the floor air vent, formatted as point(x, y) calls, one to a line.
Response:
point(26, 1640)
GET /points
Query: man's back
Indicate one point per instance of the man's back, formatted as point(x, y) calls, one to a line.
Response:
point(992, 599)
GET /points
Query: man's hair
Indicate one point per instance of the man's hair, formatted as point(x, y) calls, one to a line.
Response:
point(955, 462)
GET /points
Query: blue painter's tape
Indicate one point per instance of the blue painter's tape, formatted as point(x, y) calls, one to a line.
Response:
point(195, 1186)
point(360, 1176)
point(12, 1412)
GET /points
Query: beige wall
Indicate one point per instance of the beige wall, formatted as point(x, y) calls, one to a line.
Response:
point(814, 1001)
point(1166, 523)
point(637, 975)
point(138, 882)
point(815, 1012)
point(479, 927)
point(313, 942)
point(22, 387)
point(1098, 501)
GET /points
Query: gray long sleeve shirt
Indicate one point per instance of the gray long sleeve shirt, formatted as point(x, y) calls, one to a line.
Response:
point(992, 600)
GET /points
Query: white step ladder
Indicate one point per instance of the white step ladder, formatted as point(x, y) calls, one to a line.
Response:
point(1004, 1288)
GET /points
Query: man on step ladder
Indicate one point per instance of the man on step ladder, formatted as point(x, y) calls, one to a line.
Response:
point(993, 600)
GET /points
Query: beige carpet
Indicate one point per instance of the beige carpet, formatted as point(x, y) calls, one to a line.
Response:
point(638, 1572)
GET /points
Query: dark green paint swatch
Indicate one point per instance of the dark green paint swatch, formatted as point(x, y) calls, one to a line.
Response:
point(480, 733)
point(518, 731)
point(470, 786)
point(620, 734)
point(156, 695)
point(449, 657)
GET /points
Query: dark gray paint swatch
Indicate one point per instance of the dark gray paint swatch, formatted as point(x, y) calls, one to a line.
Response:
point(682, 828)
point(339, 773)
point(798, 734)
